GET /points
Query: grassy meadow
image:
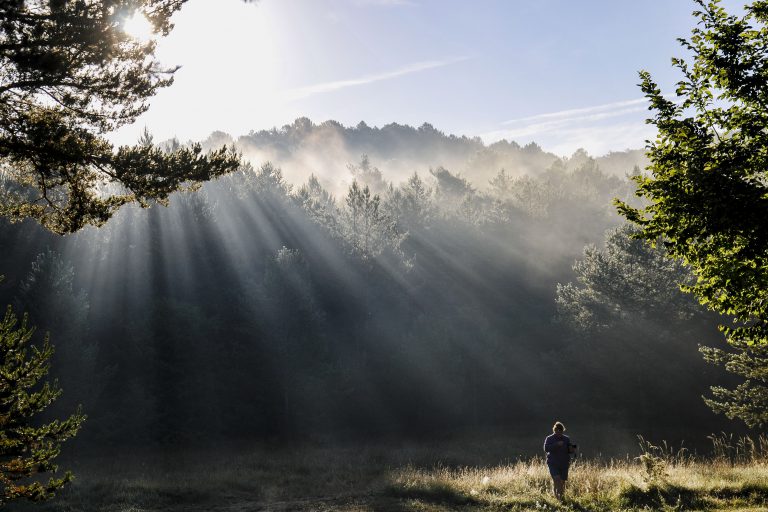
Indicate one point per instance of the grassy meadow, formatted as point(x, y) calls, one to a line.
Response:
point(593, 486)
point(425, 477)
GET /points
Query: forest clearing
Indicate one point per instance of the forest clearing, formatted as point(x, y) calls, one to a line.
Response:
point(431, 476)
point(240, 296)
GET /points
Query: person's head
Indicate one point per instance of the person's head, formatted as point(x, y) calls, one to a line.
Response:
point(558, 428)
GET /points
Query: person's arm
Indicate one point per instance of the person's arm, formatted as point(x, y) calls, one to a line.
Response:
point(549, 442)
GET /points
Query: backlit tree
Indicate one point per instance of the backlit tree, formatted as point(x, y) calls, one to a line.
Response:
point(69, 74)
point(707, 189)
point(28, 449)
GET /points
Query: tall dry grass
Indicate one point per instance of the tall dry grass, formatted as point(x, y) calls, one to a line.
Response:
point(409, 479)
point(733, 477)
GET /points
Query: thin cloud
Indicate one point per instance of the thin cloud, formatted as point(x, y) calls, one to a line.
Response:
point(312, 90)
point(599, 140)
point(597, 128)
point(579, 113)
point(547, 123)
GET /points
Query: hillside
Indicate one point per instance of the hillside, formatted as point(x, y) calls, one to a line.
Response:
point(305, 148)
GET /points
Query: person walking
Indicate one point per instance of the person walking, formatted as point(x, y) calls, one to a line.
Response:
point(558, 448)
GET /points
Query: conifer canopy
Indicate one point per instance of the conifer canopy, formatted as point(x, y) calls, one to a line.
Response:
point(69, 74)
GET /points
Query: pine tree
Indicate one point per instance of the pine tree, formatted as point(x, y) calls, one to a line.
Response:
point(366, 229)
point(627, 282)
point(28, 451)
point(410, 204)
point(54, 303)
point(69, 74)
point(368, 175)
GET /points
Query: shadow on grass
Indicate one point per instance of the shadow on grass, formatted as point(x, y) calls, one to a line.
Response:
point(659, 496)
point(665, 495)
point(436, 492)
point(752, 493)
point(440, 496)
point(105, 497)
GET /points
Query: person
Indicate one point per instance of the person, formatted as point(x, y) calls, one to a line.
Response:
point(558, 448)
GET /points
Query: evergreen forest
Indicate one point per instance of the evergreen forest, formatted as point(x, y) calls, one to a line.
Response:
point(255, 308)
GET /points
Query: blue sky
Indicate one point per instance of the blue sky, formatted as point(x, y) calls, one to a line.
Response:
point(562, 73)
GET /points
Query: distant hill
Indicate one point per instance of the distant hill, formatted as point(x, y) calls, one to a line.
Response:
point(303, 148)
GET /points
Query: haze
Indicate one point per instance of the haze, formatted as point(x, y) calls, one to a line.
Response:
point(560, 73)
point(415, 268)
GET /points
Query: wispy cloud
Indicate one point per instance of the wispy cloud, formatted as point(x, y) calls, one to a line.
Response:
point(568, 120)
point(599, 140)
point(311, 90)
point(559, 124)
point(597, 128)
point(578, 113)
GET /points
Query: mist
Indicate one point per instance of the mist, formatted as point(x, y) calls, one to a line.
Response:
point(383, 256)
point(325, 149)
point(363, 284)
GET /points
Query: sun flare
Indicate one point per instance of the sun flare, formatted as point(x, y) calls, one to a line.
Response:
point(138, 27)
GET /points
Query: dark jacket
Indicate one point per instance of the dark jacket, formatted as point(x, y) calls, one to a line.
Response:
point(557, 454)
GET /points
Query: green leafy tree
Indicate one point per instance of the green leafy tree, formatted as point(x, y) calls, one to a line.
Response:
point(27, 450)
point(70, 73)
point(706, 193)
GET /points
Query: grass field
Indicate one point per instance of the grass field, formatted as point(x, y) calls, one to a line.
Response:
point(405, 479)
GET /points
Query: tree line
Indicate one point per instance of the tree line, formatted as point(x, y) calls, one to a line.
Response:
point(252, 308)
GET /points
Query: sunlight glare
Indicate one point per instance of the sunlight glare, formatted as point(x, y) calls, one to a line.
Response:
point(138, 27)
point(240, 88)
